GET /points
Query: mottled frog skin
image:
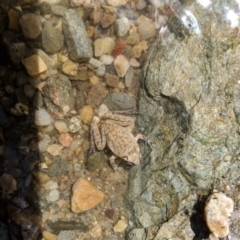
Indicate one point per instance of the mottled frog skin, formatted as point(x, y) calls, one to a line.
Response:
point(115, 131)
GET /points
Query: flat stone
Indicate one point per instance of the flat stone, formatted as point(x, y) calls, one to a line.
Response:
point(85, 196)
point(119, 101)
point(31, 25)
point(86, 114)
point(34, 65)
point(76, 37)
point(121, 65)
point(96, 94)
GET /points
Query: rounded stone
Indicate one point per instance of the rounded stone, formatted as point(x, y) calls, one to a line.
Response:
point(122, 26)
point(53, 195)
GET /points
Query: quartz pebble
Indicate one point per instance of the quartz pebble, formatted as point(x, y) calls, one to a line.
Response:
point(121, 65)
point(42, 117)
point(85, 196)
point(120, 226)
point(75, 124)
point(101, 71)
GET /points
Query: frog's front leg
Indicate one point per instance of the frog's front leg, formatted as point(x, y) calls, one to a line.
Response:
point(144, 138)
point(98, 138)
point(113, 164)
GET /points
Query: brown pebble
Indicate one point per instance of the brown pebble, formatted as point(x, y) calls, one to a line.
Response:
point(111, 80)
point(85, 196)
point(65, 139)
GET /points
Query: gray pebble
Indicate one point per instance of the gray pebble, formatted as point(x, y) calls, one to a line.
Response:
point(66, 234)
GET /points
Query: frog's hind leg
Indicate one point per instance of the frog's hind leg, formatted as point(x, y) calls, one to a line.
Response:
point(97, 139)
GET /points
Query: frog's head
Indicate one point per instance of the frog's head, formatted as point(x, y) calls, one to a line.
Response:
point(133, 157)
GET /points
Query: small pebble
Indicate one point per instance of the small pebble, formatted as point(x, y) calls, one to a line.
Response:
point(134, 62)
point(122, 26)
point(66, 235)
point(94, 80)
point(61, 126)
point(103, 46)
point(50, 185)
point(120, 226)
point(101, 71)
point(75, 124)
point(96, 231)
point(121, 65)
point(65, 139)
point(107, 59)
point(70, 68)
point(54, 149)
point(42, 117)
point(53, 195)
point(86, 114)
point(95, 63)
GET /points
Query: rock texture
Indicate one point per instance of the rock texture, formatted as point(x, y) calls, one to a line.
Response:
point(190, 108)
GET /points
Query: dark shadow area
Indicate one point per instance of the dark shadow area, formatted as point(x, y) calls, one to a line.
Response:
point(20, 217)
point(197, 221)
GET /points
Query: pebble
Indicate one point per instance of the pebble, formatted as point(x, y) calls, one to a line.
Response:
point(31, 25)
point(65, 139)
point(58, 167)
point(75, 124)
point(96, 231)
point(76, 143)
point(141, 4)
point(49, 236)
point(96, 15)
point(94, 80)
point(146, 30)
point(103, 46)
point(116, 3)
point(137, 49)
point(54, 149)
point(122, 26)
point(66, 234)
point(78, 44)
point(44, 143)
point(40, 176)
point(85, 196)
point(120, 226)
point(86, 114)
point(13, 17)
point(129, 77)
point(53, 195)
point(70, 68)
point(134, 62)
point(121, 65)
point(34, 65)
point(50, 185)
point(95, 63)
point(76, 3)
point(8, 184)
point(107, 20)
point(101, 71)
point(111, 80)
point(29, 90)
point(133, 38)
point(51, 2)
point(42, 117)
point(52, 39)
point(107, 59)
point(61, 126)
point(96, 94)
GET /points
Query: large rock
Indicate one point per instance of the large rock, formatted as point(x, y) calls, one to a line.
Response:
point(190, 108)
point(77, 40)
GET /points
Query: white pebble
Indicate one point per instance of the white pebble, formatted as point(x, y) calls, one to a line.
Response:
point(101, 71)
point(42, 117)
point(53, 195)
point(95, 63)
point(122, 26)
point(43, 144)
point(107, 59)
point(75, 124)
point(134, 62)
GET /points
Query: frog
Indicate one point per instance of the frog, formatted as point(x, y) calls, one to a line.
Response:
point(114, 130)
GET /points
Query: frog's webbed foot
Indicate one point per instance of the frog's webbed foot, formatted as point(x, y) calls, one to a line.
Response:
point(114, 166)
point(144, 138)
